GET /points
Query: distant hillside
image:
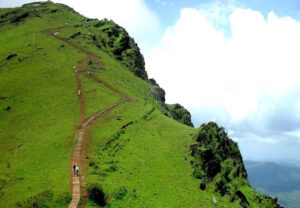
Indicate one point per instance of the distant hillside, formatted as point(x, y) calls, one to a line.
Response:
point(281, 180)
point(74, 90)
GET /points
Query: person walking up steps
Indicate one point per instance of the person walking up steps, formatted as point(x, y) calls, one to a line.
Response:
point(77, 170)
point(74, 170)
point(78, 90)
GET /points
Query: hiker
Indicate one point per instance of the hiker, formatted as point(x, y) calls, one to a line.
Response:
point(55, 34)
point(88, 73)
point(77, 170)
point(74, 169)
point(78, 90)
point(74, 67)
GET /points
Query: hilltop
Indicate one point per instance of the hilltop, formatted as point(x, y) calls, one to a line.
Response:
point(74, 89)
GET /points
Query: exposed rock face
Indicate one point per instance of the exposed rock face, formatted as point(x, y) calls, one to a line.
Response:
point(175, 111)
point(158, 94)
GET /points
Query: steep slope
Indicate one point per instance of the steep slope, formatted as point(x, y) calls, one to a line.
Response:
point(131, 155)
point(39, 114)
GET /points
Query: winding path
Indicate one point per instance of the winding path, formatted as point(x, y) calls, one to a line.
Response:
point(77, 184)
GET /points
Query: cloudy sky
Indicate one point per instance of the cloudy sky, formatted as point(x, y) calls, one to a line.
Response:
point(236, 62)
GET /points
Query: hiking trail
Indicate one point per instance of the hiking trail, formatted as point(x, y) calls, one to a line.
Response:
point(77, 183)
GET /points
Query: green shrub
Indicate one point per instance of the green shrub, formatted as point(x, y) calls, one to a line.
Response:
point(120, 194)
point(179, 113)
point(217, 160)
point(112, 168)
point(92, 163)
point(96, 194)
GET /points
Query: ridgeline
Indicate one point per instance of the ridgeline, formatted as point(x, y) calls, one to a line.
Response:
point(75, 90)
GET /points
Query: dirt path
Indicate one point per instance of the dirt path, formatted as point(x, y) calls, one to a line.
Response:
point(77, 184)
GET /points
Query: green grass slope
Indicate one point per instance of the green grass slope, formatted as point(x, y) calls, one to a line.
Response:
point(137, 155)
point(36, 127)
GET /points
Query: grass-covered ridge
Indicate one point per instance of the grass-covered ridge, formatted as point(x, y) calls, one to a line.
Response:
point(136, 156)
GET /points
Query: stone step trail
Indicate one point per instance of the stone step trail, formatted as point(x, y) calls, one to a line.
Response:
point(75, 179)
point(77, 153)
point(76, 157)
point(76, 192)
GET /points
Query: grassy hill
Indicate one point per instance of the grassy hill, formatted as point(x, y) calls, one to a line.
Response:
point(136, 154)
point(278, 180)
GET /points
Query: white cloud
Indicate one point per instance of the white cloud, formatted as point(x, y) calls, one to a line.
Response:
point(198, 66)
point(141, 22)
point(218, 12)
point(247, 82)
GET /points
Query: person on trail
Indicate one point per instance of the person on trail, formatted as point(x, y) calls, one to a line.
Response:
point(74, 67)
point(74, 169)
point(77, 170)
point(78, 90)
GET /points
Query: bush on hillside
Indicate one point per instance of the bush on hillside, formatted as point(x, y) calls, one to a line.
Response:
point(121, 193)
point(179, 113)
point(96, 194)
point(217, 159)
